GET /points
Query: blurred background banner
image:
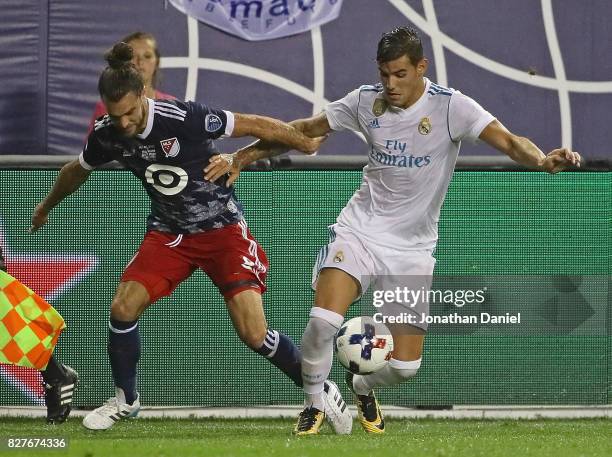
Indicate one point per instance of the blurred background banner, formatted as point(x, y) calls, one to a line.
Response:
point(542, 68)
point(256, 20)
point(539, 245)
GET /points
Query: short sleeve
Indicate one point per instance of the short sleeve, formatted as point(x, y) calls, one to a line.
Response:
point(205, 123)
point(466, 118)
point(93, 154)
point(342, 114)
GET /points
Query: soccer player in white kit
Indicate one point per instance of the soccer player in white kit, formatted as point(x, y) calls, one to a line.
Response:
point(414, 129)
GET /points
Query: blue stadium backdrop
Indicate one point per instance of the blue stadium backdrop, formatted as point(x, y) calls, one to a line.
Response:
point(542, 67)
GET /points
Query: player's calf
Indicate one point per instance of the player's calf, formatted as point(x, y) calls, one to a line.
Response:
point(282, 352)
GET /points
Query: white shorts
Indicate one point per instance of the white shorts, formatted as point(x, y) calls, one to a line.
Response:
point(382, 268)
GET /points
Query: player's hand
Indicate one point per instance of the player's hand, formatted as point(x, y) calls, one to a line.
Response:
point(220, 165)
point(314, 144)
point(40, 217)
point(561, 159)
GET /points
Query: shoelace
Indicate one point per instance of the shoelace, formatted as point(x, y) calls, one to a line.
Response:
point(307, 419)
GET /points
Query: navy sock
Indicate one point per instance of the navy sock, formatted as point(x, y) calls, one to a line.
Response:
point(53, 372)
point(124, 354)
point(284, 354)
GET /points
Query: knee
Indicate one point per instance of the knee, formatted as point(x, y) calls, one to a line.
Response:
point(123, 310)
point(252, 337)
point(321, 328)
point(404, 370)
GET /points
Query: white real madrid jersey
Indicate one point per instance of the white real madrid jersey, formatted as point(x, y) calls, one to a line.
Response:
point(412, 154)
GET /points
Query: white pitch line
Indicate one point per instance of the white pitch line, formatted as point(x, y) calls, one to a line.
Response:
point(593, 87)
point(193, 56)
point(436, 44)
point(481, 412)
point(319, 70)
point(557, 60)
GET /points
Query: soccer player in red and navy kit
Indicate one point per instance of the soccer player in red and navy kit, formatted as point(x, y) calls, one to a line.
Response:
point(146, 58)
point(193, 223)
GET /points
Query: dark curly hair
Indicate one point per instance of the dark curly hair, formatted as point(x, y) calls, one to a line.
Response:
point(120, 76)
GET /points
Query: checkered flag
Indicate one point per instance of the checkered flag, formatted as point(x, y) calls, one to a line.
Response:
point(29, 326)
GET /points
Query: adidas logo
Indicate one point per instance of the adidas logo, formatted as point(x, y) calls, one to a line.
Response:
point(66, 394)
point(373, 124)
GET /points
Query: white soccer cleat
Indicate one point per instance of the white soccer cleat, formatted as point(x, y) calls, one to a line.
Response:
point(114, 409)
point(336, 409)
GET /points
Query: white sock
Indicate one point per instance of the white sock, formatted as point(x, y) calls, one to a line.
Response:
point(395, 372)
point(318, 352)
point(314, 400)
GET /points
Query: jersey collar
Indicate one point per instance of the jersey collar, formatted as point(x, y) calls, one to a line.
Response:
point(416, 104)
point(149, 126)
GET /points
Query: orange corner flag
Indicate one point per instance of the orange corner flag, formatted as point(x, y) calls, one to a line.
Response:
point(29, 326)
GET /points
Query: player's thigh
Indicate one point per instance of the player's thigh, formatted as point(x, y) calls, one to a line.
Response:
point(160, 265)
point(342, 272)
point(248, 317)
point(402, 288)
point(233, 260)
point(130, 300)
point(336, 290)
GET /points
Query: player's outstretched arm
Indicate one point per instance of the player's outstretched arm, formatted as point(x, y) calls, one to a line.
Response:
point(315, 127)
point(523, 151)
point(274, 130)
point(70, 178)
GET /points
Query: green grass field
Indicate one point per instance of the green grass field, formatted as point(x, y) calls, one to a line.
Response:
point(272, 437)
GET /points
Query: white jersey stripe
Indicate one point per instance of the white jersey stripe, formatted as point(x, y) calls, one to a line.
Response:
point(103, 123)
point(259, 267)
point(161, 113)
point(169, 111)
point(170, 106)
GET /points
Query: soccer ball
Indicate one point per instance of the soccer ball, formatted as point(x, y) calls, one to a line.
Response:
point(362, 345)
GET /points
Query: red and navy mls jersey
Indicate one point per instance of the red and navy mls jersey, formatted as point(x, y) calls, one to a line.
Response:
point(169, 157)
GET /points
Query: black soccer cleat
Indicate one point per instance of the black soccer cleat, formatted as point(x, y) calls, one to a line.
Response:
point(58, 396)
point(368, 410)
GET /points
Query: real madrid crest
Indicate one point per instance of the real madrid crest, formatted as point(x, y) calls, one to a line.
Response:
point(380, 106)
point(339, 257)
point(425, 126)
